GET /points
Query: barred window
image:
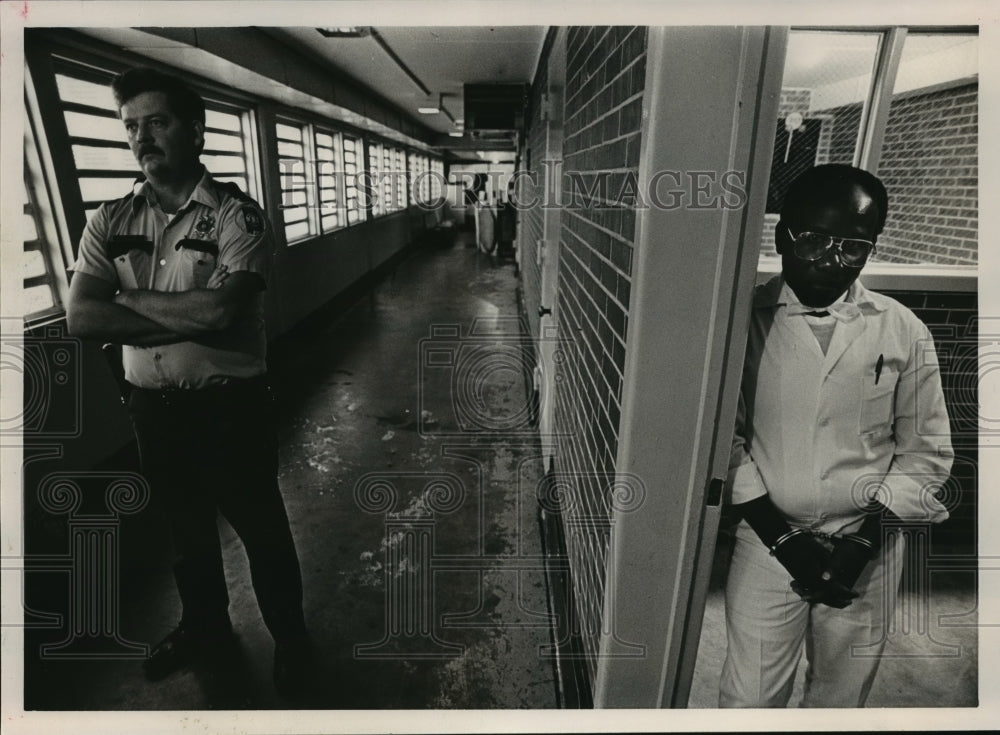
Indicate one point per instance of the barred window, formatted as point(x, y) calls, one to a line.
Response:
point(401, 178)
point(377, 179)
point(419, 179)
point(329, 180)
point(106, 167)
point(293, 140)
point(42, 269)
point(352, 169)
point(387, 179)
point(42, 263)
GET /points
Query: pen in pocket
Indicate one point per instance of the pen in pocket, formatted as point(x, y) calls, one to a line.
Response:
point(878, 368)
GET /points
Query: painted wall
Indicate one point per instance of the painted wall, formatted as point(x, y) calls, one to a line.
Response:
point(309, 274)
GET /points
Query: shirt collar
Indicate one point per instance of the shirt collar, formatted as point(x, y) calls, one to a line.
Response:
point(777, 293)
point(203, 193)
point(787, 296)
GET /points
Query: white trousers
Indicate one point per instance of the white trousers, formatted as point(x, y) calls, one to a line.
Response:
point(767, 623)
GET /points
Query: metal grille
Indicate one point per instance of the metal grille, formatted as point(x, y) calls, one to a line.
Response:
point(375, 172)
point(327, 145)
point(292, 164)
point(352, 168)
point(106, 167)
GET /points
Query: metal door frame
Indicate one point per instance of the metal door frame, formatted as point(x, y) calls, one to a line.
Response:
point(710, 105)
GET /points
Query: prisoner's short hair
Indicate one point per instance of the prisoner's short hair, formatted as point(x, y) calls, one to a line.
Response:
point(831, 180)
point(184, 101)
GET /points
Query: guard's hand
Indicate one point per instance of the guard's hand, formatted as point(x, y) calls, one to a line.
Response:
point(218, 277)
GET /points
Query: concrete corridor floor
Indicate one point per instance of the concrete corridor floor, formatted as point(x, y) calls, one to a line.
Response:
point(409, 470)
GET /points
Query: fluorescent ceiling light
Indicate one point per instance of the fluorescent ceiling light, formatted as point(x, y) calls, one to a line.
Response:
point(456, 133)
point(346, 31)
point(428, 110)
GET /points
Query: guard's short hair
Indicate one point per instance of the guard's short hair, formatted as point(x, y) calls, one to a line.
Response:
point(830, 180)
point(184, 101)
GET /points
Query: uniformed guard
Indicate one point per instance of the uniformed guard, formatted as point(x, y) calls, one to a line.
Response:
point(175, 272)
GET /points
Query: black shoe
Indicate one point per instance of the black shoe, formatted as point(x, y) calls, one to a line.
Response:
point(182, 646)
point(294, 667)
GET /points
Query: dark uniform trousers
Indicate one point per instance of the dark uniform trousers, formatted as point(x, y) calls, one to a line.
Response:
point(216, 450)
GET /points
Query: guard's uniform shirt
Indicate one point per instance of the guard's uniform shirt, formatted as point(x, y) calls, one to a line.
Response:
point(132, 243)
point(823, 433)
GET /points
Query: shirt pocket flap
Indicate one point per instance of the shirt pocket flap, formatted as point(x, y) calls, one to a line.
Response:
point(209, 247)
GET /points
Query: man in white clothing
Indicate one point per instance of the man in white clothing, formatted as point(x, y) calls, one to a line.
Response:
point(841, 426)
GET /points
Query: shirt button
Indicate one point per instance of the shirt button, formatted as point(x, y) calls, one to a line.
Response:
point(163, 261)
point(157, 356)
point(825, 421)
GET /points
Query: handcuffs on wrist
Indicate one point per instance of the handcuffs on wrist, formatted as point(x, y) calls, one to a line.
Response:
point(822, 535)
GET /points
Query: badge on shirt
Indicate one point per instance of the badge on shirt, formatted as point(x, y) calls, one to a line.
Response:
point(205, 227)
point(253, 220)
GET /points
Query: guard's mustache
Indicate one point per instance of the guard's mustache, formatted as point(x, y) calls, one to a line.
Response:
point(149, 149)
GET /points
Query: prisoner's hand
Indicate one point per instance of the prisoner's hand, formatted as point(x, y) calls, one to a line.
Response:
point(828, 591)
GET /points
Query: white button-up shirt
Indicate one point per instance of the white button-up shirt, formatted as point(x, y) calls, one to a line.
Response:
point(133, 243)
point(823, 435)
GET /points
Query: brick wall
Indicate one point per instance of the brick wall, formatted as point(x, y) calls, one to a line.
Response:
point(953, 321)
point(793, 99)
point(605, 76)
point(930, 168)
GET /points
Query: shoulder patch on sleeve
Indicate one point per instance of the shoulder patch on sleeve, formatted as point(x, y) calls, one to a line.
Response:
point(251, 218)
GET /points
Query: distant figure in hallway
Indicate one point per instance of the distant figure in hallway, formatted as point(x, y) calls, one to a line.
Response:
point(841, 427)
point(175, 271)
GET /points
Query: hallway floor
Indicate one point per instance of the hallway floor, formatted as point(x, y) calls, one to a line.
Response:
point(410, 498)
point(411, 479)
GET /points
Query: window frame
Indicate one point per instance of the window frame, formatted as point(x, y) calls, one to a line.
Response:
point(51, 237)
point(373, 165)
point(49, 53)
point(53, 181)
point(358, 210)
point(101, 71)
point(869, 147)
point(337, 149)
point(402, 180)
point(307, 141)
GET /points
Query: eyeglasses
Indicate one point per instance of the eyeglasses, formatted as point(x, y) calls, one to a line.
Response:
point(813, 246)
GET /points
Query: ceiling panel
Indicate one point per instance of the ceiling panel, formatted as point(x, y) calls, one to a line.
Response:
point(443, 58)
